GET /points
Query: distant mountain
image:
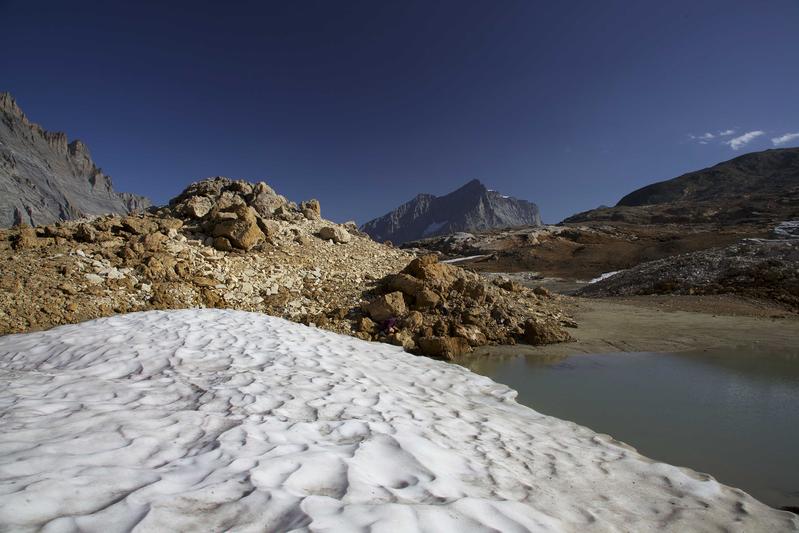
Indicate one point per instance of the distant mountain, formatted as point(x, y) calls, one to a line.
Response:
point(753, 187)
point(44, 179)
point(472, 207)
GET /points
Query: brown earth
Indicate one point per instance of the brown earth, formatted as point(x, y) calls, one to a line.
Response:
point(669, 324)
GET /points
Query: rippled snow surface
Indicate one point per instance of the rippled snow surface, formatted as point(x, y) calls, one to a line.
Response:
point(212, 420)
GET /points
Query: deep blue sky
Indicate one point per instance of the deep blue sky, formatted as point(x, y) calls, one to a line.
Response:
point(362, 105)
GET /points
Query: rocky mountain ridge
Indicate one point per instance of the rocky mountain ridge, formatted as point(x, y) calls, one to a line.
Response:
point(45, 178)
point(469, 208)
point(758, 187)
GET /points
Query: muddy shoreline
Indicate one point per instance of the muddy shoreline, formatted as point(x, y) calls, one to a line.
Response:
point(668, 324)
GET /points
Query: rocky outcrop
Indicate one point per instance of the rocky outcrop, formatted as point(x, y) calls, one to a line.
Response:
point(234, 244)
point(44, 178)
point(440, 310)
point(470, 208)
point(236, 214)
point(757, 268)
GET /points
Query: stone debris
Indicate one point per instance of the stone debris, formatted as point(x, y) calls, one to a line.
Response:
point(442, 310)
point(233, 244)
point(764, 269)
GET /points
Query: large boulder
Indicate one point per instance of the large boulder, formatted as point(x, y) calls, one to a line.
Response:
point(196, 207)
point(543, 331)
point(473, 335)
point(391, 305)
point(266, 201)
point(139, 225)
point(242, 231)
point(335, 234)
point(446, 347)
point(311, 209)
point(428, 269)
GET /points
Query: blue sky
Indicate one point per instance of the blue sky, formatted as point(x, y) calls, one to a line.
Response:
point(365, 104)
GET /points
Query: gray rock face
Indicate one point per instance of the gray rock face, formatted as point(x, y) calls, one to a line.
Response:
point(44, 178)
point(470, 208)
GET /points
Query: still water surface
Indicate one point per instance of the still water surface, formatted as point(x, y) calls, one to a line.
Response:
point(734, 415)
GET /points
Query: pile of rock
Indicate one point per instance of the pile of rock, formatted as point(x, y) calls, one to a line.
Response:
point(236, 214)
point(233, 244)
point(442, 310)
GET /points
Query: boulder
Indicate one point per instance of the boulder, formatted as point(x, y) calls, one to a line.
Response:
point(428, 269)
point(139, 225)
point(387, 306)
point(311, 209)
point(426, 298)
point(25, 238)
point(335, 234)
point(367, 325)
point(196, 206)
point(406, 283)
point(242, 231)
point(413, 321)
point(539, 331)
point(446, 347)
point(403, 338)
point(222, 244)
point(265, 201)
point(473, 335)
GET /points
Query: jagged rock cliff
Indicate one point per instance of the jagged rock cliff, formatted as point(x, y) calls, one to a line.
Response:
point(44, 178)
point(470, 208)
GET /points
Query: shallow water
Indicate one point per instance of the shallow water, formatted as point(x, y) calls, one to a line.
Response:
point(734, 415)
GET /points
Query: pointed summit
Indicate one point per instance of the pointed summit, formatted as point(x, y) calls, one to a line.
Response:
point(471, 207)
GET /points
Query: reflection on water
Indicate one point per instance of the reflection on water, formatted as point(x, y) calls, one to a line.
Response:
point(734, 415)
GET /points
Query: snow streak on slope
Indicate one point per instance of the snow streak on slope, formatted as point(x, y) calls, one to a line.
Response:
point(212, 420)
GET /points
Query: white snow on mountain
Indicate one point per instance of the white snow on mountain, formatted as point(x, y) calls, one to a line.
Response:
point(212, 420)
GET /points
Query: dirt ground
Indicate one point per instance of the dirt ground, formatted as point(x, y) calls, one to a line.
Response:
point(669, 324)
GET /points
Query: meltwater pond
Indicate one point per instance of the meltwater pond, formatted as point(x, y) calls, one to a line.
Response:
point(734, 415)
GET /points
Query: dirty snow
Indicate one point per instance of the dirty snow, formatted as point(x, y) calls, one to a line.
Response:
point(212, 420)
point(461, 259)
point(606, 275)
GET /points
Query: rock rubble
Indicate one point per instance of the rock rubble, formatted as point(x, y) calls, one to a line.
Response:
point(233, 244)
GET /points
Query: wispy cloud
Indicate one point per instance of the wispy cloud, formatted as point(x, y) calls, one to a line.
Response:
point(782, 139)
point(706, 137)
point(742, 140)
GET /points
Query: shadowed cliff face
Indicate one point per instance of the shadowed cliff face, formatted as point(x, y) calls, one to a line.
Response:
point(470, 208)
point(44, 178)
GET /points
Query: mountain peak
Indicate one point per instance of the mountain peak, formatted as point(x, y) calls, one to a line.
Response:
point(468, 208)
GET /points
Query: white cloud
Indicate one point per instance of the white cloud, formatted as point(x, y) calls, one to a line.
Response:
point(782, 139)
point(742, 140)
point(706, 137)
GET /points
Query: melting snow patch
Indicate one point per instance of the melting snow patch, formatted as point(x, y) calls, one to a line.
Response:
point(606, 275)
point(211, 420)
point(460, 259)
